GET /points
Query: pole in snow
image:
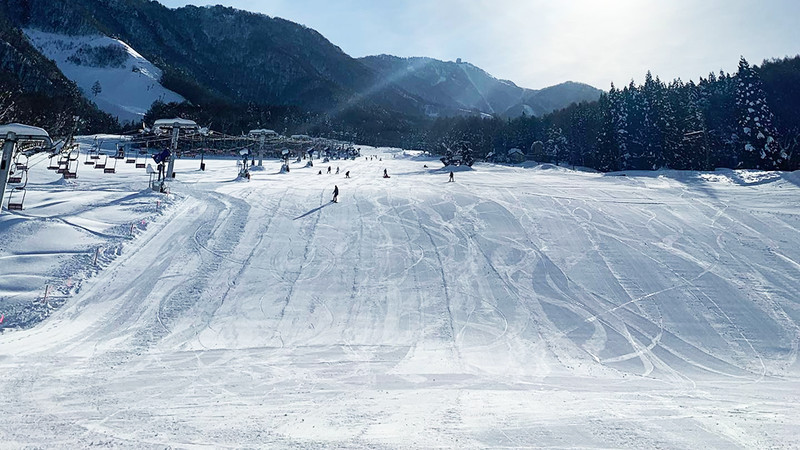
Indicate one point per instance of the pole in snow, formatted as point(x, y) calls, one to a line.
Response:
point(176, 128)
point(5, 162)
point(261, 150)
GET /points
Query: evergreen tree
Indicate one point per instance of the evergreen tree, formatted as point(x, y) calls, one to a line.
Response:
point(96, 88)
point(609, 144)
point(556, 145)
point(635, 107)
point(759, 138)
point(692, 153)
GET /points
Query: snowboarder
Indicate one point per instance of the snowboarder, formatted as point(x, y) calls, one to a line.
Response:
point(347, 174)
point(335, 194)
point(385, 174)
point(451, 177)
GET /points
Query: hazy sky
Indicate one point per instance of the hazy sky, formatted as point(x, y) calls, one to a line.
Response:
point(537, 43)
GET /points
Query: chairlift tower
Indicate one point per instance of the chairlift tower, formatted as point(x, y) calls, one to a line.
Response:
point(174, 125)
point(12, 135)
point(262, 141)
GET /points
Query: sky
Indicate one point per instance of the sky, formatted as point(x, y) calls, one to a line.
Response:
point(539, 43)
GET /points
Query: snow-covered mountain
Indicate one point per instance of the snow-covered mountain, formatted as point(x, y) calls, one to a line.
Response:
point(458, 87)
point(213, 55)
point(110, 72)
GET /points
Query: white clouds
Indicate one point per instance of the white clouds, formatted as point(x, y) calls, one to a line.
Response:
point(537, 43)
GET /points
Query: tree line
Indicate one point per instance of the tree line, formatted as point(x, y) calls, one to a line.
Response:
point(750, 119)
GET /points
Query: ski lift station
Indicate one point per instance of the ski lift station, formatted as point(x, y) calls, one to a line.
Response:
point(18, 138)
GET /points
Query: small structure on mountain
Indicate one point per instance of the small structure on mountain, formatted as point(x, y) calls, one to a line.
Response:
point(516, 156)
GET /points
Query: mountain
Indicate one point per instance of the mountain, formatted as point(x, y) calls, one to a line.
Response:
point(452, 88)
point(222, 56)
point(33, 90)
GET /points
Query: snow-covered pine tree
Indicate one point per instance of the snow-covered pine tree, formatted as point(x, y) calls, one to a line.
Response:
point(718, 96)
point(635, 108)
point(606, 157)
point(620, 118)
point(759, 137)
point(694, 148)
point(556, 145)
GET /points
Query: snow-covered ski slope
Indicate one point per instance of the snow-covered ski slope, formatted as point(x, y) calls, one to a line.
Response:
point(128, 84)
point(515, 307)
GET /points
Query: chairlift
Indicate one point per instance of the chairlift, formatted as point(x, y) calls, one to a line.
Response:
point(112, 169)
point(102, 165)
point(15, 201)
point(16, 196)
point(72, 162)
point(53, 165)
point(20, 163)
point(17, 176)
point(143, 152)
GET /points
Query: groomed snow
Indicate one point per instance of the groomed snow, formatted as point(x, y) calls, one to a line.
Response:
point(516, 307)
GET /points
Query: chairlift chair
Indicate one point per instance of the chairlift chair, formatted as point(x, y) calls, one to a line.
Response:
point(53, 165)
point(131, 158)
point(21, 164)
point(102, 165)
point(87, 161)
point(15, 201)
point(112, 169)
point(16, 196)
point(16, 177)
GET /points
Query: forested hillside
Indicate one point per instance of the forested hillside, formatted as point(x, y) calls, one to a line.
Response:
point(749, 119)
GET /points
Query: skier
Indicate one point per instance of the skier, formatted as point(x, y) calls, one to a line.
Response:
point(335, 194)
point(320, 172)
point(451, 177)
point(385, 174)
point(337, 170)
point(347, 174)
point(329, 170)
